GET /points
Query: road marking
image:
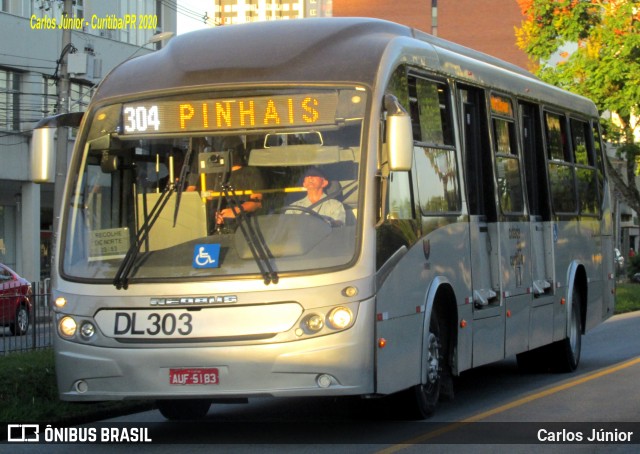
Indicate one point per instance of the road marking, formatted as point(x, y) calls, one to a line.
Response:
point(516, 403)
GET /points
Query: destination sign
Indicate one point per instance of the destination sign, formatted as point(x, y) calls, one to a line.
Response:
point(501, 105)
point(213, 115)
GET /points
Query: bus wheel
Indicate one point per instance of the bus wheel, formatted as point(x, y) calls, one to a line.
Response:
point(423, 398)
point(181, 410)
point(565, 354)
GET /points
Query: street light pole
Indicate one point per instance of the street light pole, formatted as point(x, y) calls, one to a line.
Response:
point(62, 108)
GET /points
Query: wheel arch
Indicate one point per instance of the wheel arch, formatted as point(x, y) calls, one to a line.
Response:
point(578, 281)
point(441, 296)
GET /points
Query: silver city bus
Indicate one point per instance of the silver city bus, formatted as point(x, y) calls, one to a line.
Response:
point(464, 217)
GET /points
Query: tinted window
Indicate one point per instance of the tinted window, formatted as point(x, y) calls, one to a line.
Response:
point(435, 155)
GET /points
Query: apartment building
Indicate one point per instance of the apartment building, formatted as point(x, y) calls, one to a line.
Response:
point(103, 34)
point(484, 25)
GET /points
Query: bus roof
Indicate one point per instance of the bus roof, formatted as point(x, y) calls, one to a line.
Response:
point(323, 50)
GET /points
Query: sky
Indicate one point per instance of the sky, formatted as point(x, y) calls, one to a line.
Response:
point(191, 12)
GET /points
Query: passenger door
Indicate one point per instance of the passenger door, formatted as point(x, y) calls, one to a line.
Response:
point(488, 328)
point(499, 228)
point(541, 227)
point(513, 224)
point(538, 200)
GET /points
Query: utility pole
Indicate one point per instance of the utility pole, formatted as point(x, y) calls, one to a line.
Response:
point(63, 108)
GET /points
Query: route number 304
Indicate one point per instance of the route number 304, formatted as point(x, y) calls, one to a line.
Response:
point(141, 119)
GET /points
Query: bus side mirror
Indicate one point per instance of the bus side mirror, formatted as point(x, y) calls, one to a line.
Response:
point(43, 145)
point(399, 135)
point(43, 155)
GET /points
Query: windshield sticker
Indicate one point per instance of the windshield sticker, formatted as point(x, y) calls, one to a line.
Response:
point(206, 256)
point(108, 244)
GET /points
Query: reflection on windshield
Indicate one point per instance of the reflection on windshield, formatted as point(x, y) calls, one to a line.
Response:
point(214, 206)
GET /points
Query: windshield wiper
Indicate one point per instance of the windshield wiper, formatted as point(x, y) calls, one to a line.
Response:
point(121, 279)
point(184, 171)
point(253, 236)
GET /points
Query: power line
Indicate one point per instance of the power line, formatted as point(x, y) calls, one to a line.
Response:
point(184, 11)
point(28, 58)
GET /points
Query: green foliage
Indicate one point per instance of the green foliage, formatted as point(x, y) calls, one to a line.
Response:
point(592, 47)
point(598, 43)
point(551, 23)
point(627, 298)
point(29, 394)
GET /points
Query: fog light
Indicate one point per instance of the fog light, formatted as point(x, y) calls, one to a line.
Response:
point(67, 327)
point(324, 380)
point(87, 330)
point(81, 386)
point(340, 318)
point(314, 323)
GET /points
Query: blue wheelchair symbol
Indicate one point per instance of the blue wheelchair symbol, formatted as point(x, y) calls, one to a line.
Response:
point(206, 256)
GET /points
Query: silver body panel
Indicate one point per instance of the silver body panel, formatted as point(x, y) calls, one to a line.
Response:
point(466, 254)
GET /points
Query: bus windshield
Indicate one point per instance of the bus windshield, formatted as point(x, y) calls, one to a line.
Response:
point(215, 186)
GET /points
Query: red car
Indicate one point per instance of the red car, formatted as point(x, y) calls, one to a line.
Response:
point(15, 301)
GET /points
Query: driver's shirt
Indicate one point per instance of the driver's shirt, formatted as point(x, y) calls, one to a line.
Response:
point(330, 208)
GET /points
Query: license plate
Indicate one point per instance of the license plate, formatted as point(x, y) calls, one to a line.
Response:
point(194, 376)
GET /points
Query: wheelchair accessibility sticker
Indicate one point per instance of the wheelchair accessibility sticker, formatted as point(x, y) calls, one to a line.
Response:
point(206, 256)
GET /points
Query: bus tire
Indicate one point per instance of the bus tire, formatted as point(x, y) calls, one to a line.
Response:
point(565, 354)
point(423, 398)
point(184, 409)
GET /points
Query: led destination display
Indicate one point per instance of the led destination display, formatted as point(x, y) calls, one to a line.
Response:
point(227, 114)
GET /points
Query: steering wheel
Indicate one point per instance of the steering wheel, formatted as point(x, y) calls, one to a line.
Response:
point(325, 219)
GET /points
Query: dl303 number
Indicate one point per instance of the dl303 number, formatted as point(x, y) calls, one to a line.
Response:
point(153, 324)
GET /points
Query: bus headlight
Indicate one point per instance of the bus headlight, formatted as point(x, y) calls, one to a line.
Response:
point(314, 323)
point(340, 318)
point(87, 330)
point(67, 326)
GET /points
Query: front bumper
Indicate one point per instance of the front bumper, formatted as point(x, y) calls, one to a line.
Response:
point(92, 373)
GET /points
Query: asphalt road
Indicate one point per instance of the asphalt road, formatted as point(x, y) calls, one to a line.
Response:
point(496, 408)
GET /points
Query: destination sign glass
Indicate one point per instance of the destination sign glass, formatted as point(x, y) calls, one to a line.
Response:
point(501, 105)
point(212, 115)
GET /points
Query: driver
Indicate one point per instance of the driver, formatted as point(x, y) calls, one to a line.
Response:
point(314, 182)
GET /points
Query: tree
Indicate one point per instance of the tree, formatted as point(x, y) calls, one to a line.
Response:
point(597, 43)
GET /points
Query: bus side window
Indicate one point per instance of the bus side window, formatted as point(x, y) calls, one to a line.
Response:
point(586, 175)
point(534, 162)
point(561, 170)
point(477, 166)
point(399, 228)
point(505, 149)
point(599, 159)
point(400, 197)
point(437, 179)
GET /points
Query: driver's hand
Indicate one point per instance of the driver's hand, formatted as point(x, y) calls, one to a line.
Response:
point(225, 213)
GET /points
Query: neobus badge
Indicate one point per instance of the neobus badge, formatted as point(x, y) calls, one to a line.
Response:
point(188, 300)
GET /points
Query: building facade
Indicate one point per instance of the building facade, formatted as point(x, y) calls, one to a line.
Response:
point(103, 34)
point(229, 12)
point(484, 25)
